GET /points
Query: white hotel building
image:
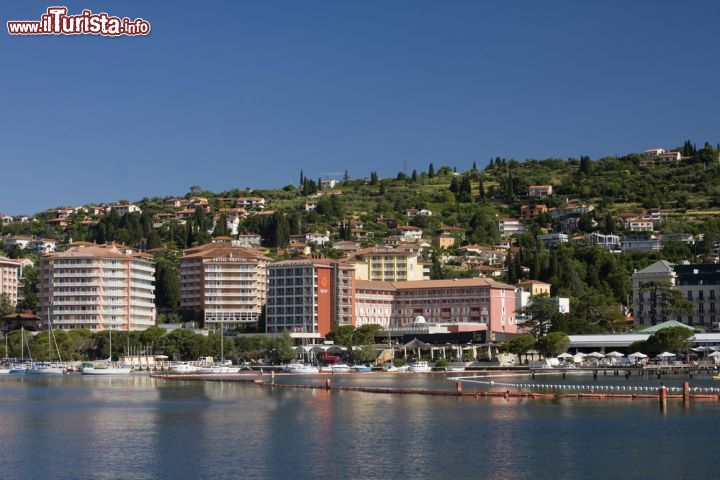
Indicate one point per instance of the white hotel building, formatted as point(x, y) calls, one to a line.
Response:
point(98, 287)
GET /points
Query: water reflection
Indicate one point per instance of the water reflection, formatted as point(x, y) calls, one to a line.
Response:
point(139, 427)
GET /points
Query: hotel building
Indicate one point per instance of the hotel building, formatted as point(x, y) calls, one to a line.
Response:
point(698, 283)
point(462, 305)
point(308, 297)
point(10, 278)
point(386, 264)
point(226, 283)
point(97, 287)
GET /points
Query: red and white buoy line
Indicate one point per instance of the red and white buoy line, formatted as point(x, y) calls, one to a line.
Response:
point(546, 387)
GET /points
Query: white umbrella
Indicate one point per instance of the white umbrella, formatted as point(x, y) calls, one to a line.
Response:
point(699, 349)
point(595, 355)
point(666, 355)
point(564, 355)
point(637, 355)
point(714, 354)
point(614, 354)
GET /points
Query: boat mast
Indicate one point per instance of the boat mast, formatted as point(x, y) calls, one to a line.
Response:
point(222, 344)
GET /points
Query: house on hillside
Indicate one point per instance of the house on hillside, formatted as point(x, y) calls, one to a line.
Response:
point(540, 191)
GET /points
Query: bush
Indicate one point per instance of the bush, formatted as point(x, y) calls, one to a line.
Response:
point(441, 363)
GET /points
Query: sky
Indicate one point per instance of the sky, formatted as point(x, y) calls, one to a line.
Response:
point(236, 94)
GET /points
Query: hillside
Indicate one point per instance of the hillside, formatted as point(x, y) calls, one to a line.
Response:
point(638, 195)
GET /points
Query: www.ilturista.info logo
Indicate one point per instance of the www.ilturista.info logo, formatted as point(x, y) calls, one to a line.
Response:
point(56, 21)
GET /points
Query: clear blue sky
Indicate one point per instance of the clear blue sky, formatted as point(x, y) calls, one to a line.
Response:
point(248, 93)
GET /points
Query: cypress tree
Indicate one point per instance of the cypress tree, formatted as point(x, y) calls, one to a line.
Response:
point(431, 171)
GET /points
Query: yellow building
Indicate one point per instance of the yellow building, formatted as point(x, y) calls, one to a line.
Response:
point(535, 287)
point(386, 264)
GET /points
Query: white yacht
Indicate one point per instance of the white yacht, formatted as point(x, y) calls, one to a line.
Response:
point(45, 368)
point(218, 369)
point(104, 369)
point(301, 368)
point(340, 368)
point(419, 367)
point(185, 367)
point(5, 371)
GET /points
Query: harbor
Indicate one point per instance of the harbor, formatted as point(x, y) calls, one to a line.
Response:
point(183, 428)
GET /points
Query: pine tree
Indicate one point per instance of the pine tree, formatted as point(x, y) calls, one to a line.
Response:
point(585, 164)
point(221, 228)
point(414, 176)
point(302, 179)
point(481, 190)
point(474, 167)
point(431, 171)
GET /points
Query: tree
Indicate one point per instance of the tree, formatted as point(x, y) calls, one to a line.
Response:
point(221, 228)
point(542, 315)
point(414, 176)
point(29, 301)
point(519, 345)
point(167, 280)
point(182, 344)
point(585, 165)
point(6, 307)
point(151, 337)
point(431, 171)
point(553, 344)
point(665, 301)
point(671, 339)
point(437, 272)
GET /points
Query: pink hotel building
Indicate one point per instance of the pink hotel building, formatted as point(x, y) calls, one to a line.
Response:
point(461, 305)
point(9, 278)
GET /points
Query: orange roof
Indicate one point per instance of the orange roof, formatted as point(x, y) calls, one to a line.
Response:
point(218, 249)
point(423, 284)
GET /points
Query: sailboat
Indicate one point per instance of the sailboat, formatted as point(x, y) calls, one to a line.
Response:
point(223, 367)
point(22, 367)
point(5, 370)
point(47, 368)
point(105, 369)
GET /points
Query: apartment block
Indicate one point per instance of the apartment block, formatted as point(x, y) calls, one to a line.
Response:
point(226, 283)
point(308, 297)
point(97, 287)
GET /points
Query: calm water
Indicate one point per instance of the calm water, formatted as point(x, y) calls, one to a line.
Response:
point(138, 427)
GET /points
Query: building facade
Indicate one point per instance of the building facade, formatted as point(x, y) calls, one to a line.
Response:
point(698, 283)
point(226, 283)
point(462, 304)
point(308, 297)
point(97, 287)
point(10, 279)
point(386, 264)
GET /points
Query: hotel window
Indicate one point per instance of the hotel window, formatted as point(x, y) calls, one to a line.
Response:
point(689, 295)
point(700, 295)
point(712, 294)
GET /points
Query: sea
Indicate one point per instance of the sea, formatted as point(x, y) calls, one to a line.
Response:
point(138, 427)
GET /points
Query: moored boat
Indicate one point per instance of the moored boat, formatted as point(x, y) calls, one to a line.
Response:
point(419, 367)
point(45, 368)
point(361, 368)
point(302, 368)
point(104, 369)
point(340, 368)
